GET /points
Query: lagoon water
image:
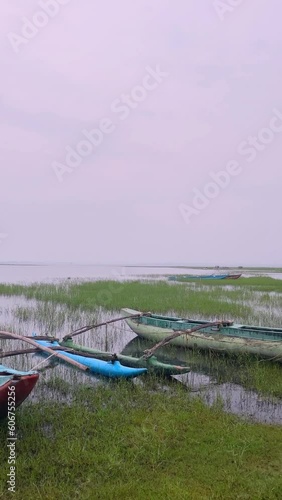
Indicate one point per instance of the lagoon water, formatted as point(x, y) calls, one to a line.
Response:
point(50, 273)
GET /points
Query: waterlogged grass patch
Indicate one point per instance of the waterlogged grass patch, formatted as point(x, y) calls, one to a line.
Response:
point(23, 313)
point(264, 377)
point(58, 384)
point(62, 308)
point(155, 297)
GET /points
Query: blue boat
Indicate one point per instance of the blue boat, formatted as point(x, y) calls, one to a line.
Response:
point(188, 277)
point(111, 369)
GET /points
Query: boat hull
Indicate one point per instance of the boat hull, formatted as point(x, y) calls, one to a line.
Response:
point(152, 364)
point(188, 277)
point(110, 369)
point(228, 339)
point(14, 388)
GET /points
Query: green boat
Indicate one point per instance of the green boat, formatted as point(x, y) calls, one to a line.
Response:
point(228, 337)
point(152, 364)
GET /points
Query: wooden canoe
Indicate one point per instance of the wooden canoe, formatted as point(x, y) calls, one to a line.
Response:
point(231, 338)
point(152, 364)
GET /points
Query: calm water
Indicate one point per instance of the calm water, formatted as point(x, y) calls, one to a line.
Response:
point(58, 272)
point(26, 316)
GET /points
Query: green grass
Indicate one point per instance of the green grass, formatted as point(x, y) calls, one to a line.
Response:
point(196, 298)
point(134, 443)
point(235, 269)
point(255, 283)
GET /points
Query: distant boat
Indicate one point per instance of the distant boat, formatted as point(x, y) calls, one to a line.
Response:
point(15, 386)
point(187, 277)
point(231, 338)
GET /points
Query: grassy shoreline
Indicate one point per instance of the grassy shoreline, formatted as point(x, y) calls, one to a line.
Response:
point(136, 443)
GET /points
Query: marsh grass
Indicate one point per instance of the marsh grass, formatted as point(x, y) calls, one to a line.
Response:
point(59, 309)
point(133, 443)
point(212, 300)
point(148, 439)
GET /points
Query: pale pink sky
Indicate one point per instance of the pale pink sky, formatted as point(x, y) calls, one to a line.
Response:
point(121, 204)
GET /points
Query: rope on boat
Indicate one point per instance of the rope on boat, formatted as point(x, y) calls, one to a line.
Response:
point(43, 361)
point(148, 353)
point(91, 327)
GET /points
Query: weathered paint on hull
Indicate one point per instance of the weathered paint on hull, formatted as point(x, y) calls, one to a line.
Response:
point(106, 369)
point(152, 364)
point(23, 384)
point(210, 341)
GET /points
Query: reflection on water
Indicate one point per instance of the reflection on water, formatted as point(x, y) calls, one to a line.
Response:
point(239, 401)
point(210, 378)
point(26, 316)
point(215, 377)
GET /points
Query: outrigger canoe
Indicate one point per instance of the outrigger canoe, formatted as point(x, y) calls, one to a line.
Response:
point(152, 364)
point(228, 337)
point(188, 277)
point(111, 369)
point(15, 386)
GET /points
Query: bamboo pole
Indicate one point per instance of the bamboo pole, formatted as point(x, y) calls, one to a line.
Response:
point(149, 352)
point(106, 356)
point(8, 354)
point(33, 350)
point(91, 327)
point(8, 336)
point(45, 349)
